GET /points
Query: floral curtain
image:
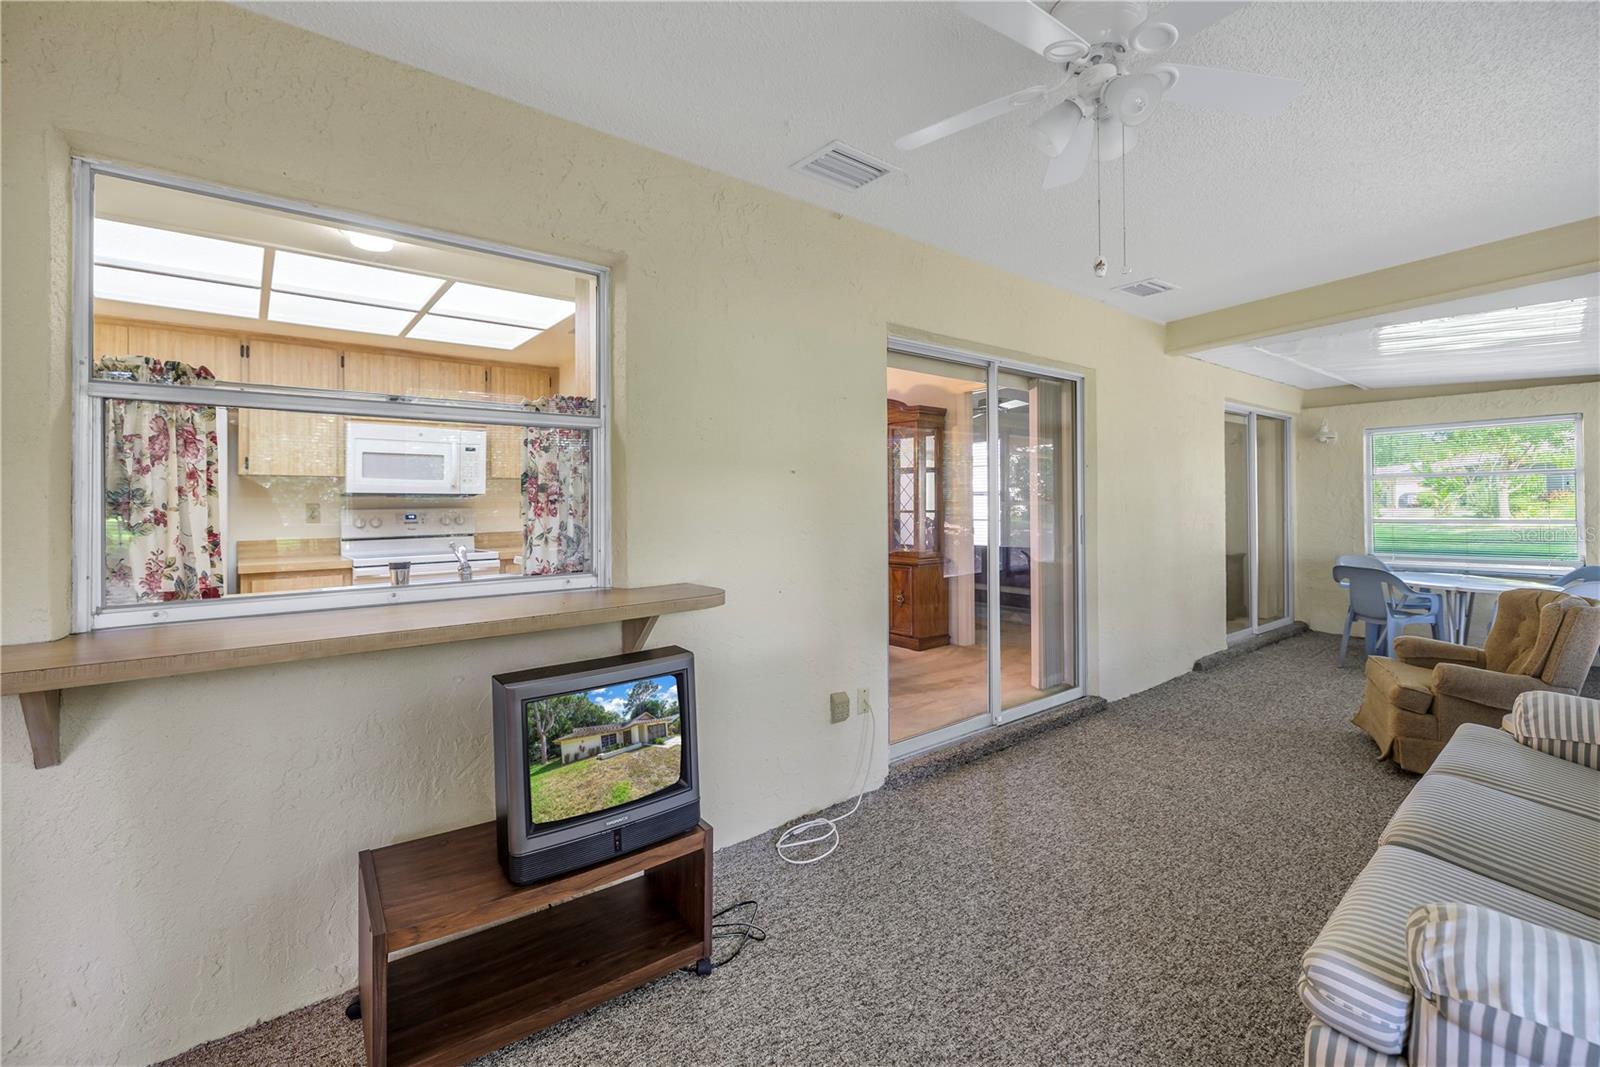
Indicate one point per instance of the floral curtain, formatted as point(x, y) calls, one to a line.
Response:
point(556, 475)
point(163, 513)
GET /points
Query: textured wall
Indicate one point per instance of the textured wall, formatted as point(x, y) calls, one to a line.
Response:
point(1330, 479)
point(189, 868)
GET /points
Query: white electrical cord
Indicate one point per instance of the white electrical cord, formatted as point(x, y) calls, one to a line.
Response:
point(795, 836)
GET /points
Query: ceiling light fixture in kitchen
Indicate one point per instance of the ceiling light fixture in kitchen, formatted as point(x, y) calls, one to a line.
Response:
point(368, 242)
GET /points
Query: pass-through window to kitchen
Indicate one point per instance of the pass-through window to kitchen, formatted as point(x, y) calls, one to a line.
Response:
point(286, 410)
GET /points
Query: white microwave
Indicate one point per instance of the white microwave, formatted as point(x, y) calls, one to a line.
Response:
point(395, 459)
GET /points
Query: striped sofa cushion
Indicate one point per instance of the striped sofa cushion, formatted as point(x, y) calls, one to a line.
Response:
point(1355, 976)
point(1560, 724)
point(1327, 1047)
point(1492, 989)
point(1493, 758)
point(1539, 849)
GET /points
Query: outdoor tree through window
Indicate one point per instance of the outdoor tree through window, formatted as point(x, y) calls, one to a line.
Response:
point(1491, 492)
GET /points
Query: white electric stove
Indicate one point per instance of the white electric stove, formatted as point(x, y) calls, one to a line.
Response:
point(373, 538)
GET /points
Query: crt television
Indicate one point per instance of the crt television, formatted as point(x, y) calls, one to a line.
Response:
point(593, 759)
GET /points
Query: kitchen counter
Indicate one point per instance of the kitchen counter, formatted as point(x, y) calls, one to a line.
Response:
point(508, 543)
point(290, 555)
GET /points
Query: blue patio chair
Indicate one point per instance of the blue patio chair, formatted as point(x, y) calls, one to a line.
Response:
point(1429, 601)
point(1590, 573)
point(1379, 599)
point(1584, 581)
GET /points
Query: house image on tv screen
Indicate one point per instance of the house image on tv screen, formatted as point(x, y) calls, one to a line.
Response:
point(608, 738)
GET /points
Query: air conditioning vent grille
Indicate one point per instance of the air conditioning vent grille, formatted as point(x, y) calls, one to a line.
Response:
point(1148, 287)
point(839, 164)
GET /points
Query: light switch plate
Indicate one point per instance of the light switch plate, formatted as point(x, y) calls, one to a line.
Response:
point(838, 707)
point(313, 511)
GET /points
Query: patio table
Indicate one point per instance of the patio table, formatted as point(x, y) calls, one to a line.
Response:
point(1459, 592)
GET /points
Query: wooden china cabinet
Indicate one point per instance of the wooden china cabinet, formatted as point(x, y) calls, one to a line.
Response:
point(919, 613)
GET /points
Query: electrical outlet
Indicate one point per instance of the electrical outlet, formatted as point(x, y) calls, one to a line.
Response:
point(313, 511)
point(838, 707)
point(863, 701)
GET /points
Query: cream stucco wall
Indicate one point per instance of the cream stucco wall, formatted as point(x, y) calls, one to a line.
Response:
point(189, 867)
point(1330, 479)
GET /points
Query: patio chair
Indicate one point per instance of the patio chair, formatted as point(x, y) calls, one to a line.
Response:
point(1581, 581)
point(1379, 600)
point(1543, 640)
point(1415, 600)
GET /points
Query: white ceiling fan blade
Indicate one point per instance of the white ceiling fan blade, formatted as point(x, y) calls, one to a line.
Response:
point(1068, 166)
point(1028, 25)
point(971, 117)
point(1192, 16)
point(1232, 90)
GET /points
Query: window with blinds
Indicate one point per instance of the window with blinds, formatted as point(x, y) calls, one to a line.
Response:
point(1483, 492)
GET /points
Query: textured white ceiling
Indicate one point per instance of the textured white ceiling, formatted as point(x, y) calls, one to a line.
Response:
point(1554, 334)
point(1424, 126)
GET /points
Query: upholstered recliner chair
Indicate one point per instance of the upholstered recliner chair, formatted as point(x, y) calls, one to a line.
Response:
point(1416, 699)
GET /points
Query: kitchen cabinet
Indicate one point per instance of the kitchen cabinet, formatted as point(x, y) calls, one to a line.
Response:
point(285, 442)
point(217, 352)
point(404, 374)
point(512, 384)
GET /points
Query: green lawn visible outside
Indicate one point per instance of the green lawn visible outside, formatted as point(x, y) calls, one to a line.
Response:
point(1527, 544)
point(560, 791)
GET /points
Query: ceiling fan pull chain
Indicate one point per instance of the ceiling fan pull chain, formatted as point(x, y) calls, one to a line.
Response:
point(1099, 167)
point(1127, 268)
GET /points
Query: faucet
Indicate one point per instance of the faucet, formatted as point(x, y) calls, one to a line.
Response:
point(463, 568)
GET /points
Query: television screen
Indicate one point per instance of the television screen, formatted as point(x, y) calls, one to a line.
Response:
point(600, 748)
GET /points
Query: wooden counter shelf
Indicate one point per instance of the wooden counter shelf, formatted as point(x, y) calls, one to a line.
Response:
point(493, 962)
point(37, 673)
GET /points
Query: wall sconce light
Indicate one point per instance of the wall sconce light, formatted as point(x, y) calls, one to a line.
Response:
point(1325, 436)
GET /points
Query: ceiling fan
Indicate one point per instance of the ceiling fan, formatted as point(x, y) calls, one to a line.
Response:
point(1099, 45)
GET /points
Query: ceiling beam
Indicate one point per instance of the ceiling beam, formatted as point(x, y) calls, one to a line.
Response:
point(1544, 255)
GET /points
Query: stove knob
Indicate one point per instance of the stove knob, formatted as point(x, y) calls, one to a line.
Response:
point(459, 520)
point(376, 523)
point(360, 524)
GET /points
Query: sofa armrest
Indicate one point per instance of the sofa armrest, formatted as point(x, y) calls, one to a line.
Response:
point(1426, 652)
point(1492, 689)
point(1471, 990)
point(1558, 723)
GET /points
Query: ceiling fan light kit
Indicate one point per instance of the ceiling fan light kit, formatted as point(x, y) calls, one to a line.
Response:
point(1053, 130)
point(1097, 44)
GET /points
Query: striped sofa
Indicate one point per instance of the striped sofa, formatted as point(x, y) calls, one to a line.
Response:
point(1472, 937)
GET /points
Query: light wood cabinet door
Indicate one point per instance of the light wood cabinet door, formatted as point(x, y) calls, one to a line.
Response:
point(285, 442)
point(405, 374)
point(217, 352)
point(512, 384)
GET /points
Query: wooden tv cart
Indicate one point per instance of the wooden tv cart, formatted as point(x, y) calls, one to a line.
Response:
point(490, 962)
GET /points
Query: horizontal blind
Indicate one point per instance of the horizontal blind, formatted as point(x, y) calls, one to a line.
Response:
point(1490, 492)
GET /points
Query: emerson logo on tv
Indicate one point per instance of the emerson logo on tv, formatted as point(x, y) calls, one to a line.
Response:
point(618, 821)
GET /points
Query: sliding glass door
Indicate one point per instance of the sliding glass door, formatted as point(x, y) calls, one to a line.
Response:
point(1256, 558)
point(985, 595)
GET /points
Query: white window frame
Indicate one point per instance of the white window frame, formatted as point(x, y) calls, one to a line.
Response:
point(1253, 519)
point(1490, 567)
point(88, 414)
point(997, 714)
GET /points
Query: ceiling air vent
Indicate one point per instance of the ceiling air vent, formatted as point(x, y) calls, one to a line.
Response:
point(1148, 287)
point(839, 164)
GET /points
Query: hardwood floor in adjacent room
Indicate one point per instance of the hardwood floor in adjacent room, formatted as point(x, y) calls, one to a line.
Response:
point(942, 686)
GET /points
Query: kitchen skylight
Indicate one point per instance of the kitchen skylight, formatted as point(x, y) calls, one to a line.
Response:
point(336, 314)
point(337, 279)
point(471, 332)
point(122, 244)
point(464, 300)
point(169, 291)
point(166, 268)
